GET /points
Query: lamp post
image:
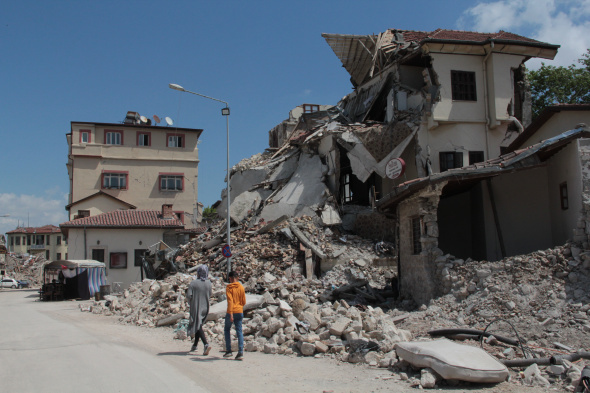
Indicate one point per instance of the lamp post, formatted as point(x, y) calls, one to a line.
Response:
point(224, 112)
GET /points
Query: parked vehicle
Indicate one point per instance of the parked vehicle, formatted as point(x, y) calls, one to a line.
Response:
point(23, 283)
point(9, 283)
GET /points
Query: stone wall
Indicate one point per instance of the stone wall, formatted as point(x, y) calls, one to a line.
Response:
point(582, 232)
point(420, 278)
point(376, 226)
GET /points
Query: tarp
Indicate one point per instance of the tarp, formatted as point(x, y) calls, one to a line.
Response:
point(83, 277)
point(453, 361)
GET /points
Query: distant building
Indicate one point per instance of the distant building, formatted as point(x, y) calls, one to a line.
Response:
point(119, 238)
point(46, 240)
point(132, 165)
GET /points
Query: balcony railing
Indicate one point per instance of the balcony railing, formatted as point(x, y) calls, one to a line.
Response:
point(38, 247)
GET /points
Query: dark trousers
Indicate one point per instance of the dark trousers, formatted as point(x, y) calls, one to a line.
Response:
point(200, 334)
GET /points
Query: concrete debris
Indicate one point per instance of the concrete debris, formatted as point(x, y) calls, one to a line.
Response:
point(347, 310)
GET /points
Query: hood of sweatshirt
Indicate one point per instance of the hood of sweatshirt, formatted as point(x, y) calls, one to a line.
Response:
point(233, 285)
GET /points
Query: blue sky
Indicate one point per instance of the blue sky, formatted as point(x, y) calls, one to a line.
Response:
point(66, 61)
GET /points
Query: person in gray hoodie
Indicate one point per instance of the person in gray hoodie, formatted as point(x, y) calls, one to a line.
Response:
point(198, 294)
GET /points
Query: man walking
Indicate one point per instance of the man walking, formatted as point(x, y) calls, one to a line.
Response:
point(236, 300)
point(198, 294)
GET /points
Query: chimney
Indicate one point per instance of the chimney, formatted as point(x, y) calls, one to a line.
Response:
point(167, 212)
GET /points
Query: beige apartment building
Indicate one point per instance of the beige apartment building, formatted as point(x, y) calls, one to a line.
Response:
point(46, 240)
point(132, 165)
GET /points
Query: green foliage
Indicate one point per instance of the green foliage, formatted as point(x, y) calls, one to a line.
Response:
point(552, 85)
point(209, 213)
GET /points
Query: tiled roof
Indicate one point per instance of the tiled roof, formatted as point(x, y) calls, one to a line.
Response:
point(125, 219)
point(47, 229)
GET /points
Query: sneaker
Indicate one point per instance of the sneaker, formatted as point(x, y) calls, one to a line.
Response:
point(193, 348)
point(206, 350)
point(228, 354)
point(240, 356)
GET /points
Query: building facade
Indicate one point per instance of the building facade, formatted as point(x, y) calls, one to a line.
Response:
point(132, 165)
point(119, 238)
point(46, 240)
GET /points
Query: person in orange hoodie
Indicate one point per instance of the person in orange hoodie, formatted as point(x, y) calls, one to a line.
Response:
point(236, 300)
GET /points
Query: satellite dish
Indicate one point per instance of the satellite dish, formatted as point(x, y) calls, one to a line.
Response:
point(168, 121)
point(156, 119)
point(143, 119)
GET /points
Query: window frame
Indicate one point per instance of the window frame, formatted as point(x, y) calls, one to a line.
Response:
point(176, 134)
point(463, 86)
point(416, 234)
point(143, 133)
point(180, 175)
point(107, 132)
point(58, 240)
point(87, 132)
point(58, 256)
point(110, 173)
point(457, 160)
point(118, 264)
point(563, 196)
point(311, 108)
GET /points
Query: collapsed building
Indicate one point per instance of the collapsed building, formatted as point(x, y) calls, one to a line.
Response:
point(427, 152)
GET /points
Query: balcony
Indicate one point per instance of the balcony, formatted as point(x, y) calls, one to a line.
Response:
point(37, 246)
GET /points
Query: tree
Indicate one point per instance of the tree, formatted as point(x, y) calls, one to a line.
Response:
point(209, 213)
point(552, 85)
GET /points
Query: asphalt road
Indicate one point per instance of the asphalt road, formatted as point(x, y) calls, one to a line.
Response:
point(44, 349)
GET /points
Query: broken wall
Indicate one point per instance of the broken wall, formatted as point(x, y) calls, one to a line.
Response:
point(419, 278)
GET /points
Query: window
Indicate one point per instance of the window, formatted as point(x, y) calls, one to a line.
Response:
point(563, 196)
point(144, 139)
point(58, 240)
point(463, 85)
point(452, 159)
point(175, 140)
point(180, 216)
point(172, 182)
point(48, 240)
point(113, 137)
point(17, 239)
point(114, 180)
point(97, 254)
point(58, 256)
point(47, 254)
point(475, 157)
point(309, 108)
point(346, 194)
point(138, 255)
point(118, 260)
point(416, 234)
point(84, 136)
point(39, 240)
point(28, 240)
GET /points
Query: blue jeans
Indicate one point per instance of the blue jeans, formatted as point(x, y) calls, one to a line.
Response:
point(238, 322)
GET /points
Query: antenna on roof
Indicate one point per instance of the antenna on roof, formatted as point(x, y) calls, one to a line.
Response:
point(156, 119)
point(168, 121)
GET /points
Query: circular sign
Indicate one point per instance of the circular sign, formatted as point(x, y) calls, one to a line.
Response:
point(226, 251)
point(395, 168)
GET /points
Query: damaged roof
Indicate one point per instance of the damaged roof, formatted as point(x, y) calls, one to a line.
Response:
point(543, 118)
point(360, 54)
point(101, 192)
point(528, 158)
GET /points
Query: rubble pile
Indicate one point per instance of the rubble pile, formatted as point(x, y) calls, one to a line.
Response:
point(29, 268)
point(351, 313)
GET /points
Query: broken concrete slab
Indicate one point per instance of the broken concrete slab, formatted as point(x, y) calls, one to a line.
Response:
point(453, 361)
point(218, 310)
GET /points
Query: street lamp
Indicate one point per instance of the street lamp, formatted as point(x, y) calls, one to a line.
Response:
point(224, 112)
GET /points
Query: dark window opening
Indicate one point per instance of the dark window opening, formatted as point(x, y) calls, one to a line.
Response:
point(463, 85)
point(475, 157)
point(97, 254)
point(563, 196)
point(118, 260)
point(416, 235)
point(138, 256)
point(449, 160)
